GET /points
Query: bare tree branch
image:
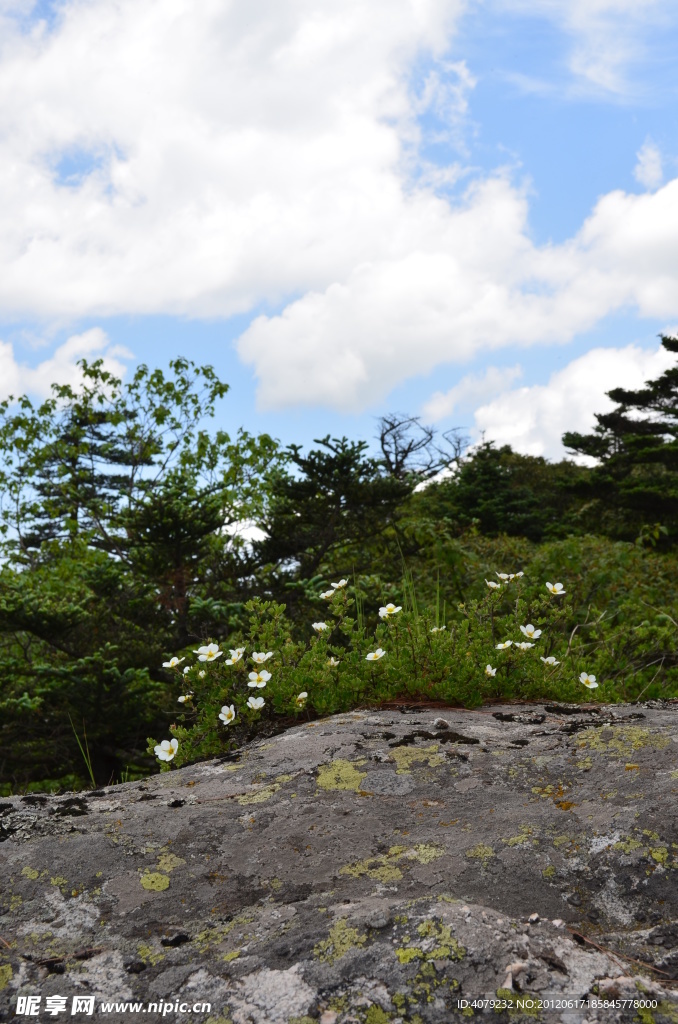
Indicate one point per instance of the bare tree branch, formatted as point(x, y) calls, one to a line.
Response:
point(410, 447)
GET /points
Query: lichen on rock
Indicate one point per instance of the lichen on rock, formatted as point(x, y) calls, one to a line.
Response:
point(373, 874)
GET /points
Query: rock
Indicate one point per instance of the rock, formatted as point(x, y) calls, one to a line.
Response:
point(374, 867)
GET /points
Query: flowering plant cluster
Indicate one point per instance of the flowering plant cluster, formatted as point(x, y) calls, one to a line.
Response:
point(340, 663)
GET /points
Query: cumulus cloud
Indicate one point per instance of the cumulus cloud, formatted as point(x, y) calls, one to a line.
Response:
point(158, 156)
point(463, 280)
point(202, 159)
point(533, 419)
point(469, 390)
point(61, 368)
point(648, 170)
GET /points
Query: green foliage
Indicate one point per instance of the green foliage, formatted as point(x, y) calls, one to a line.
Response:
point(116, 509)
point(633, 492)
point(121, 518)
point(594, 628)
point(335, 499)
point(500, 491)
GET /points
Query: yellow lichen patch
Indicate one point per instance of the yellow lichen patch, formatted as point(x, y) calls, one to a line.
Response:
point(440, 943)
point(660, 854)
point(154, 881)
point(30, 873)
point(424, 853)
point(405, 757)
point(340, 941)
point(543, 790)
point(628, 845)
point(168, 862)
point(375, 1015)
point(214, 936)
point(148, 956)
point(6, 975)
point(406, 954)
point(561, 840)
point(623, 741)
point(674, 775)
point(341, 774)
point(586, 764)
point(283, 778)
point(631, 767)
point(523, 838)
point(383, 868)
point(14, 903)
point(261, 796)
point(58, 880)
point(548, 872)
point(233, 955)
point(482, 853)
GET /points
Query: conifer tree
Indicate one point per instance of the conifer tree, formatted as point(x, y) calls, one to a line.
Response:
point(634, 487)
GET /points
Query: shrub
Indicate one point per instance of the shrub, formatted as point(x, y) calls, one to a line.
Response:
point(474, 657)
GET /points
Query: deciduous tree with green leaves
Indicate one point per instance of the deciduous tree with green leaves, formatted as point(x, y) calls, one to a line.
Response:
point(118, 509)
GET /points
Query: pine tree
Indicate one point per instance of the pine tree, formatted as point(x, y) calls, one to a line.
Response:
point(633, 490)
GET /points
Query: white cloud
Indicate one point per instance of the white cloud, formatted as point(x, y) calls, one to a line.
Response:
point(61, 368)
point(648, 170)
point(200, 159)
point(608, 37)
point(460, 281)
point(162, 156)
point(469, 390)
point(533, 419)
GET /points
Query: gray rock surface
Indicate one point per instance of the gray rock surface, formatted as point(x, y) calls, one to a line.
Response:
point(369, 868)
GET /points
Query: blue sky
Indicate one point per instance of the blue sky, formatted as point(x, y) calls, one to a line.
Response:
point(461, 210)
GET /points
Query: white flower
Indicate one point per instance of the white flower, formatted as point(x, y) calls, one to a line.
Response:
point(184, 698)
point(166, 750)
point(492, 585)
point(556, 588)
point(588, 680)
point(327, 595)
point(502, 647)
point(227, 713)
point(437, 629)
point(210, 652)
point(187, 669)
point(519, 574)
point(236, 655)
point(376, 655)
point(319, 627)
point(202, 673)
point(503, 576)
point(524, 646)
point(389, 609)
point(333, 662)
point(489, 671)
point(259, 659)
point(256, 703)
point(530, 631)
point(301, 699)
point(259, 679)
point(550, 660)
point(173, 662)
point(340, 584)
